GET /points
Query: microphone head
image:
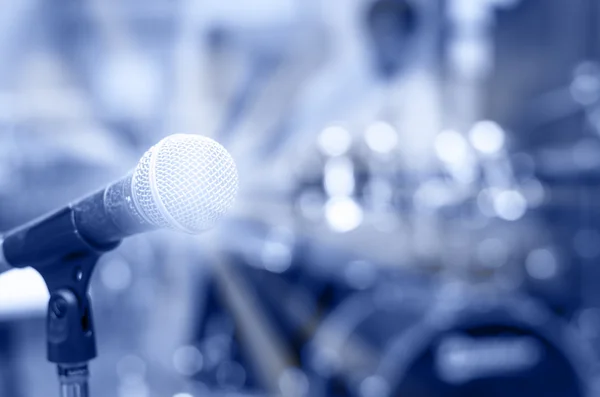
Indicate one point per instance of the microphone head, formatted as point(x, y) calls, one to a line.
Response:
point(184, 182)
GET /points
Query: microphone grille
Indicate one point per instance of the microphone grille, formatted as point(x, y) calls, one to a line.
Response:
point(185, 182)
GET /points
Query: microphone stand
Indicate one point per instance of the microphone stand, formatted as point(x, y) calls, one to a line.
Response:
point(66, 263)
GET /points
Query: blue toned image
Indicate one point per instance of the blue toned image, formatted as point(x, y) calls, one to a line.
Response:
point(300, 198)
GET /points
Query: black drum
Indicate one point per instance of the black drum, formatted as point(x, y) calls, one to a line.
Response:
point(349, 344)
point(425, 341)
point(482, 346)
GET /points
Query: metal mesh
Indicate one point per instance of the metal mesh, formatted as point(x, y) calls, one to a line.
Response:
point(185, 182)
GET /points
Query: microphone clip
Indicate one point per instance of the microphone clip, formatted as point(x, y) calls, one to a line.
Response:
point(69, 323)
point(71, 338)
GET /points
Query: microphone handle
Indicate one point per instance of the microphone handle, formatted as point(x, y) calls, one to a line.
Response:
point(96, 223)
point(109, 215)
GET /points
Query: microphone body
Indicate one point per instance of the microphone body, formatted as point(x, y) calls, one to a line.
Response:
point(96, 223)
point(185, 182)
point(110, 215)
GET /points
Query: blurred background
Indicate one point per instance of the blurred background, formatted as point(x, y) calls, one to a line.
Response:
point(418, 215)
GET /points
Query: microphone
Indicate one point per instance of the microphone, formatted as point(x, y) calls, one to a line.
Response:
point(184, 183)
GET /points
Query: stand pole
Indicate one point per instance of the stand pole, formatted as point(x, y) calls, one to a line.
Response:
point(73, 380)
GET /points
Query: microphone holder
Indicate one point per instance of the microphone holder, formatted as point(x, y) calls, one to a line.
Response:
point(66, 261)
point(71, 340)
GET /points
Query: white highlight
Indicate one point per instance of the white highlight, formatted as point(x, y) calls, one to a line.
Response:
point(23, 293)
point(343, 214)
point(451, 147)
point(487, 137)
point(381, 137)
point(116, 274)
point(339, 177)
point(334, 141)
point(510, 205)
point(129, 85)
